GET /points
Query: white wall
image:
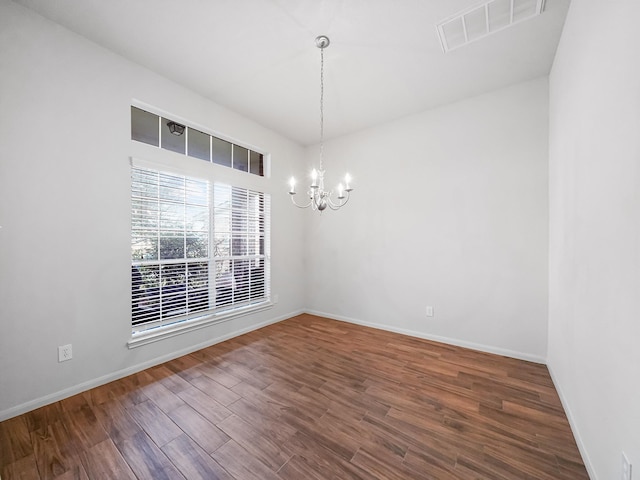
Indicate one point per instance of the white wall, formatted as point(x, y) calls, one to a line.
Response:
point(450, 210)
point(65, 210)
point(594, 287)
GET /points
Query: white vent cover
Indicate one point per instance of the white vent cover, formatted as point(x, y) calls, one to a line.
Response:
point(481, 20)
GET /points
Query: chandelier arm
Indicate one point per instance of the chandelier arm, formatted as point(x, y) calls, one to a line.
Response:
point(301, 206)
point(336, 206)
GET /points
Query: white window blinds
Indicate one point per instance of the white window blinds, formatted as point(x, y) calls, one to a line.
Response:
point(197, 249)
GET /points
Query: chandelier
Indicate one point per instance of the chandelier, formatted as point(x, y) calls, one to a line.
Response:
point(319, 198)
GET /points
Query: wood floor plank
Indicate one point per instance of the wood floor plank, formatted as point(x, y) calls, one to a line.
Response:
point(129, 390)
point(358, 435)
point(193, 462)
point(169, 379)
point(313, 406)
point(154, 421)
point(262, 420)
point(533, 413)
point(438, 461)
point(571, 470)
point(244, 373)
point(216, 390)
point(306, 398)
point(203, 432)
point(116, 421)
point(209, 369)
point(353, 397)
point(260, 447)
point(562, 446)
point(164, 398)
point(25, 468)
point(206, 406)
point(105, 461)
point(323, 460)
point(15, 442)
point(185, 366)
point(146, 460)
point(84, 427)
point(333, 441)
point(241, 464)
point(530, 425)
point(476, 467)
point(484, 430)
point(42, 417)
point(107, 393)
point(54, 450)
point(76, 472)
point(523, 462)
point(298, 467)
point(380, 469)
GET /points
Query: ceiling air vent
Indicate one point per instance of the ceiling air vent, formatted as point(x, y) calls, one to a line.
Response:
point(481, 20)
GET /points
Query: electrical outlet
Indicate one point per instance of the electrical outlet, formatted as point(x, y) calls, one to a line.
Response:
point(64, 353)
point(626, 468)
point(429, 311)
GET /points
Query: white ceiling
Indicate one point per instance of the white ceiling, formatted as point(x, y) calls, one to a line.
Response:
point(258, 57)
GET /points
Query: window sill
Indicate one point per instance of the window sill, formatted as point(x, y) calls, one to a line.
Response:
point(160, 333)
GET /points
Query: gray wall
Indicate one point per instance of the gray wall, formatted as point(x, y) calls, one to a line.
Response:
point(449, 210)
point(594, 287)
point(65, 210)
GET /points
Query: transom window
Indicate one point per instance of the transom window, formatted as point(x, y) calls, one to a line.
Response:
point(198, 248)
point(147, 127)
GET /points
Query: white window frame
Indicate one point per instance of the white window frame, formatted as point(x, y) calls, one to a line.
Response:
point(181, 324)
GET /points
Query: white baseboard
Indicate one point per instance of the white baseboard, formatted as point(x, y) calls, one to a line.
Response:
point(451, 341)
point(574, 427)
point(96, 382)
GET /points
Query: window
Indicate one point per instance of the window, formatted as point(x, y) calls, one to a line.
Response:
point(197, 248)
point(239, 245)
point(154, 130)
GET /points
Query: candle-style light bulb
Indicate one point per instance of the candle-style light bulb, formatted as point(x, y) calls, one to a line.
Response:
point(314, 178)
point(340, 191)
point(347, 181)
point(292, 184)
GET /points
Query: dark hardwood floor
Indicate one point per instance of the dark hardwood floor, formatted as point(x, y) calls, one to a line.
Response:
point(307, 398)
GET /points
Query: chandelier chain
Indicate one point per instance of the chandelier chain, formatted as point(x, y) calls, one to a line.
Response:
point(321, 104)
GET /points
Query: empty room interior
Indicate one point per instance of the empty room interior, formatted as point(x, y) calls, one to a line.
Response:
point(320, 239)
